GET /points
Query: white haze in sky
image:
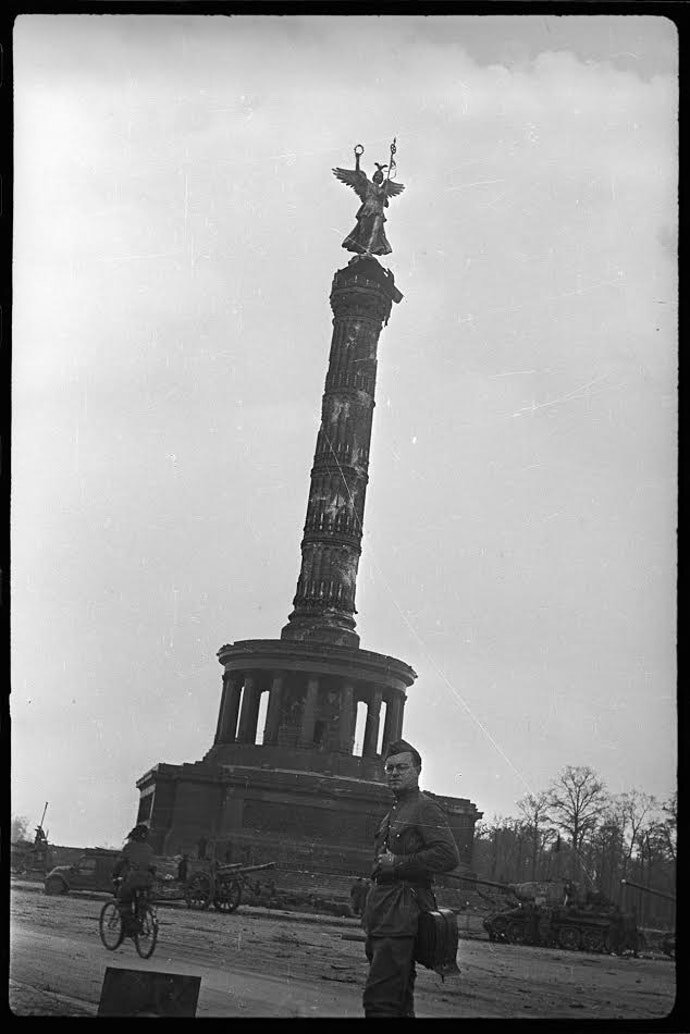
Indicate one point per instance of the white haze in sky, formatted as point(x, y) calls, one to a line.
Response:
point(177, 227)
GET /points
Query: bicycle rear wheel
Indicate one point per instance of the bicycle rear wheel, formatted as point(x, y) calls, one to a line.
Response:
point(110, 926)
point(147, 934)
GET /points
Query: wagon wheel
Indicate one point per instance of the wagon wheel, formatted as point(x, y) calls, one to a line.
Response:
point(228, 896)
point(198, 891)
point(516, 932)
point(593, 940)
point(569, 938)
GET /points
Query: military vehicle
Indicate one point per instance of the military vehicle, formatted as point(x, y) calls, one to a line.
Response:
point(667, 938)
point(31, 856)
point(92, 871)
point(556, 914)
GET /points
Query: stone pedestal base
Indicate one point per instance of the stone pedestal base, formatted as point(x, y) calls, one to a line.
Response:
point(303, 821)
point(294, 789)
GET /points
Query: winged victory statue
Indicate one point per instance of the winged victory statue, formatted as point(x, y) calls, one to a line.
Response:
point(368, 237)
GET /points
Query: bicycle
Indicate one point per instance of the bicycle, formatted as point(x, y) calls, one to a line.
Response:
point(144, 929)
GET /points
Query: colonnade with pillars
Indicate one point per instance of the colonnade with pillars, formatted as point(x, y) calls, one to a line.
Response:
point(241, 701)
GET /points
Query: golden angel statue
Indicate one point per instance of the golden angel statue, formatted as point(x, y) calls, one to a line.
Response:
point(368, 236)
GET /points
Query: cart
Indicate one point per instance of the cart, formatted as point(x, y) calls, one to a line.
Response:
point(221, 886)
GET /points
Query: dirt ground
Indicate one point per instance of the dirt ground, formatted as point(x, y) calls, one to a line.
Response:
point(257, 963)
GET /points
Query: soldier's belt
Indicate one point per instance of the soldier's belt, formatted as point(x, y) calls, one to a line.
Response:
point(392, 878)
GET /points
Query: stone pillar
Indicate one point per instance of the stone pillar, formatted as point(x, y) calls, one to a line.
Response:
point(275, 699)
point(390, 724)
point(306, 734)
point(393, 724)
point(223, 697)
point(227, 721)
point(400, 701)
point(324, 604)
point(371, 729)
point(246, 732)
point(346, 729)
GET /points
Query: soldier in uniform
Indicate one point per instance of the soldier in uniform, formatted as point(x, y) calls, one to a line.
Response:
point(413, 842)
point(40, 847)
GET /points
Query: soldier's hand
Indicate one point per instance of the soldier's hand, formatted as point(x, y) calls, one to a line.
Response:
point(386, 863)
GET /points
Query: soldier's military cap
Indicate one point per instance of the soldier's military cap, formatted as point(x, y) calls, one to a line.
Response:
point(402, 747)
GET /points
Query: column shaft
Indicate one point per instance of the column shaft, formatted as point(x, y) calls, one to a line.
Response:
point(346, 731)
point(306, 734)
point(223, 701)
point(324, 602)
point(275, 699)
point(390, 724)
point(400, 714)
point(371, 730)
point(231, 707)
point(246, 732)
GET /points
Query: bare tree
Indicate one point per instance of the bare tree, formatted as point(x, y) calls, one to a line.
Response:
point(19, 828)
point(669, 826)
point(537, 825)
point(633, 809)
point(604, 839)
point(577, 798)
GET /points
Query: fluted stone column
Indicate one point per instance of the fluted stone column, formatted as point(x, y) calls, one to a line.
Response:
point(250, 711)
point(400, 707)
point(306, 734)
point(371, 729)
point(275, 699)
point(223, 700)
point(324, 603)
point(390, 724)
point(393, 724)
point(346, 730)
point(227, 720)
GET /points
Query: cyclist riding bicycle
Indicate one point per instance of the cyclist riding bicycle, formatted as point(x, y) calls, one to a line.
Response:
point(133, 871)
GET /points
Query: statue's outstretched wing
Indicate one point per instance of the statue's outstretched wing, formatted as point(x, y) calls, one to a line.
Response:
point(394, 188)
point(355, 179)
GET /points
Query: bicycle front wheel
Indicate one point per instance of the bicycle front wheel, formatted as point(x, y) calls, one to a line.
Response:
point(110, 926)
point(147, 934)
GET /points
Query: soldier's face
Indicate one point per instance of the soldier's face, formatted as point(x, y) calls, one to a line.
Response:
point(401, 773)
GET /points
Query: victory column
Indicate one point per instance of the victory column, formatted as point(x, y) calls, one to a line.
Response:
point(300, 796)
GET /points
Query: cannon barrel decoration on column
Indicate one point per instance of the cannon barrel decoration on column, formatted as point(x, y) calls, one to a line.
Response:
point(324, 603)
point(295, 773)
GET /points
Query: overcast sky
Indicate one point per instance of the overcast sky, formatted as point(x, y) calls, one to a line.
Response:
point(177, 227)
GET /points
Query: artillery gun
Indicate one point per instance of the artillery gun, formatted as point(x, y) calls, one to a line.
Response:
point(556, 914)
point(31, 855)
point(220, 885)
